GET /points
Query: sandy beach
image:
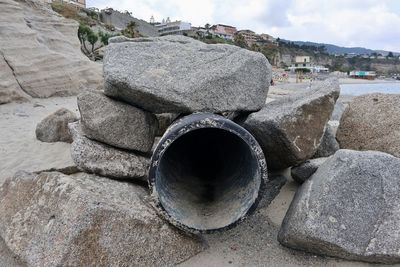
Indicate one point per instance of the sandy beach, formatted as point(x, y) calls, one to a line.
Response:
point(252, 243)
point(19, 148)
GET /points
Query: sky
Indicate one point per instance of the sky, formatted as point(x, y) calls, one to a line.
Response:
point(373, 24)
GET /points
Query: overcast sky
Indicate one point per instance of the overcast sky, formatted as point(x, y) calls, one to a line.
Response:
point(372, 24)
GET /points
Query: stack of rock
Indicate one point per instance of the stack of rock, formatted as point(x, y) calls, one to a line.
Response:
point(51, 218)
point(149, 82)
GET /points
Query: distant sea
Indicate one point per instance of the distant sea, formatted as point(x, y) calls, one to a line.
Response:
point(361, 89)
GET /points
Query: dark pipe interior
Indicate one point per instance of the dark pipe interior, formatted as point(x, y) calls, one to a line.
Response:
point(208, 178)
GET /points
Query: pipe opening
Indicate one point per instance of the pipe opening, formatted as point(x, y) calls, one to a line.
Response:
point(208, 178)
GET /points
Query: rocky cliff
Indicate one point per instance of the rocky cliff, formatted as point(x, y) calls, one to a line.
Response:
point(40, 54)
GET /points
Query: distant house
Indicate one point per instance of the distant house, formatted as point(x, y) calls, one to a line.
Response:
point(199, 31)
point(266, 38)
point(304, 62)
point(173, 28)
point(249, 36)
point(368, 75)
point(224, 31)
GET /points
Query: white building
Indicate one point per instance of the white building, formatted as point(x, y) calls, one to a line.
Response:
point(173, 28)
point(304, 62)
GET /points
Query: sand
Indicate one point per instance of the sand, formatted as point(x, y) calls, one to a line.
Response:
point(19, 148)
point(251, 243)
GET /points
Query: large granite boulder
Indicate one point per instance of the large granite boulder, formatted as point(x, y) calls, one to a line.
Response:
point(178, 74)
point(95, 157)
point(52, 219)
point(54, 128)
point(328, 145)
point(302, 172)
point(41, 51)
point(349, 208)
point(116, 123)
point(371, 122)
point(290, 129)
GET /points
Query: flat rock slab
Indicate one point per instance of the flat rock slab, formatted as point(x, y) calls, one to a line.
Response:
point(116, 123)
point(177, 74)
point(371, 122)
point(52, 219)
point(290, 129)
point(95, 157)
point(349, 208)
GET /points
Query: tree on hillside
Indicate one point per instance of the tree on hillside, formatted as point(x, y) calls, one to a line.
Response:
point(390, 54)
point(130, 30)
point(240, 41)
point(87, 35)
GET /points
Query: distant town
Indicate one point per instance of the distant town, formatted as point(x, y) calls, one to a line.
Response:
point(294, 57)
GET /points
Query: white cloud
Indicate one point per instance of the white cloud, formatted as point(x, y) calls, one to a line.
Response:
point(368, 23)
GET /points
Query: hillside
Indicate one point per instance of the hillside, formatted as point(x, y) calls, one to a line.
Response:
point(340, 50)
point(120, 20)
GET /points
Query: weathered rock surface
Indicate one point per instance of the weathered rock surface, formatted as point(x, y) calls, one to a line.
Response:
point(349, 208)
point(371, 122)
point(54, 128)
point(116, 123)
point(328, 145)
point(164, 121)
point(96, 157)
point(177, 74)
point(52, 219)
point(304, 171)
point(290, 129)
point(9, 88)
point(41, 51)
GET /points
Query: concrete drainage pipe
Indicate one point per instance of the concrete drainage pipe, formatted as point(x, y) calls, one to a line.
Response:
point(206, 173)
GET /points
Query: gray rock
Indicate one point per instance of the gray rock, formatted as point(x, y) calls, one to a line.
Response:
point(177, 74)
point(349, 208)
point(116, 123)
point(290, 128)
point(328, 145)
point(164, 121)
point(95, 157)
point(54, 128)
point(304, 171)
point(52, 219)
point(371, 122)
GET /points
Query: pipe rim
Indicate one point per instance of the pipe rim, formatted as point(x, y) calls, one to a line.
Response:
point(191, 123)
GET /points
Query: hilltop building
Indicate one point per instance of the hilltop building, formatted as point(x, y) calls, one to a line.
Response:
point(260, 39)
point(249, 36)
point(166, 27)
point(266, 38)
point(224, 31)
